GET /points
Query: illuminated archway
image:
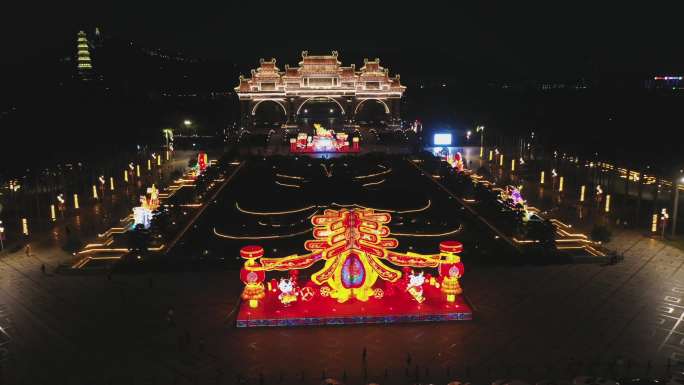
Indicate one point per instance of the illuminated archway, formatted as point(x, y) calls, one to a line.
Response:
point(387, 109)
point(319, 98)
point(269, 100)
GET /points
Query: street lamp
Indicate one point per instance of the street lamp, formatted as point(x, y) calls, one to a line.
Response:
point(168, 135)
point(188, 124)
point(2, 236)
point(664, 216)
point(468, 134)
point(481, 129)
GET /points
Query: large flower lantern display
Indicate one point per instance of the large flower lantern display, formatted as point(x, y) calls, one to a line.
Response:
point(362, 279)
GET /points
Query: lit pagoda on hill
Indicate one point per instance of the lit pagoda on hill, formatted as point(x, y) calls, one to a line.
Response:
point(84, 64)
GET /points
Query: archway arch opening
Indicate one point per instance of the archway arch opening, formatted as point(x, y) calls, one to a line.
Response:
point(372, 113)
point(268, 114)
point(325, 111)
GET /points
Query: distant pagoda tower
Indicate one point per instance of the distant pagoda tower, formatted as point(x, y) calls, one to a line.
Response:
point(83, 63)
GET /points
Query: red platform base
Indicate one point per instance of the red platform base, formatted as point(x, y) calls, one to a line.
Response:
point(327, 311)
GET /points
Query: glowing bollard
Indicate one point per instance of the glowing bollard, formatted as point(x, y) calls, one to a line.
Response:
point(491, 155)
point(111, 183)
point(501, 160)
point(654, 223)
point(512, 164)
point(149, 165)
point(95, 191)
point(125, 175)
point(583, 189)
point(481, 152)
point(541, 180)
point(607, 203)
point(53, 215)
point(560, 184)
point(76, 201)
point(137, 170)
point(167, 155)
point(24, 226)
point(158, 160)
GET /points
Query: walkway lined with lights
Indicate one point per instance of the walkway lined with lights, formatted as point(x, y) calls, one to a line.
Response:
point(467, 207)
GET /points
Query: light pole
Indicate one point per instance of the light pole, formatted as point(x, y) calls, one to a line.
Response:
point(168, 135)
point(676, 204)
point(2, 236)
point(481, 129)
point(664, 216)
point(188, 124)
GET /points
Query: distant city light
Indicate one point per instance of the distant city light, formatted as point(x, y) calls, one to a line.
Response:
point(668, 78)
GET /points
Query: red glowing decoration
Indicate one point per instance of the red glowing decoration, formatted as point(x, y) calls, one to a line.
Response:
point(357, 282)
point(202, 161)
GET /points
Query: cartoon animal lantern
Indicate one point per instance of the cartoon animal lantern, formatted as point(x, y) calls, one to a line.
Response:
point(451, 269)
point(288, 292)
point(252, 276)
point(415, 286)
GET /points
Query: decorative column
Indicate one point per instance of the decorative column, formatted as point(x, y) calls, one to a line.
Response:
point(451, 269)
point(252, 275)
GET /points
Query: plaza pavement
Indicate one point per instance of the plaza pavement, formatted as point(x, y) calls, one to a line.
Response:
point(531, 322)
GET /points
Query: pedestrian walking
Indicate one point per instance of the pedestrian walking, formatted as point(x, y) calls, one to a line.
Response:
point(169, 318)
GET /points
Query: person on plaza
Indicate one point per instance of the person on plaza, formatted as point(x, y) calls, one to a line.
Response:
point(27, 250)
point(169, 318)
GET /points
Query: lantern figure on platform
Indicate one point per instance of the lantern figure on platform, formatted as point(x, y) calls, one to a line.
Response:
point(415, 286)
point(358, 265)
point(252, 277)
point(202, 161)
point(288, 294)
point(451, 269)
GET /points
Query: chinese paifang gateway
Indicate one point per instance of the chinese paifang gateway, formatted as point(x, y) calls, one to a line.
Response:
point(320, 77)
point(361, 279)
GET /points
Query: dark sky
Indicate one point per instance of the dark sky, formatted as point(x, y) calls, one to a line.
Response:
point(556, 37)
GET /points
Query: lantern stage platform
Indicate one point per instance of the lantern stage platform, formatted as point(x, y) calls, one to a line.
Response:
point(398, 308)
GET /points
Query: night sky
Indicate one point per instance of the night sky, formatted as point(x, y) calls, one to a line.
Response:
point(423, 42)
point(512, 40)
